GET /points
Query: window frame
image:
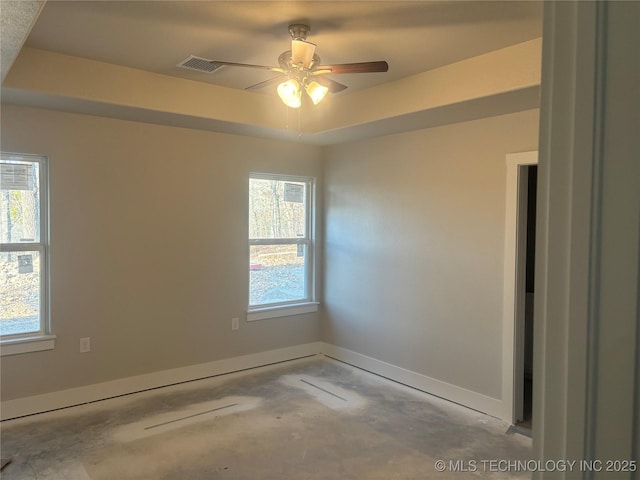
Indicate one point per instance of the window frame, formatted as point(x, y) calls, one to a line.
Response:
point(42, 339)
point(307, 304)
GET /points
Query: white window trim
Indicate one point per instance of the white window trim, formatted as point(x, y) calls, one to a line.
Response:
point(43, 339)
point(308, 304)
point(264, 313)
point(15, 346)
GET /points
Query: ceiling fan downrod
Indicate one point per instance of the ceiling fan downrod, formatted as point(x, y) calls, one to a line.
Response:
point(299, 31)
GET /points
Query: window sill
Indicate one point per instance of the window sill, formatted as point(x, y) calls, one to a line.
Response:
point(281, 311)
point(26, 345)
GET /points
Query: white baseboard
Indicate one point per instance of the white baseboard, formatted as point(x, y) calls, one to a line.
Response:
point(100, 391)
point(77, 396)
point(468, 398)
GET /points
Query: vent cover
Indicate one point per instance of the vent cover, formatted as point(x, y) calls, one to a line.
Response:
point(199, 64)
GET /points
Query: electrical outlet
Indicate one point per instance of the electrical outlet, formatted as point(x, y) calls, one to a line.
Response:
point(235, 323)
point(85, 345)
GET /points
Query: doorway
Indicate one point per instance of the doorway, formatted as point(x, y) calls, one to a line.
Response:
point(519, 281)
point(526, 323)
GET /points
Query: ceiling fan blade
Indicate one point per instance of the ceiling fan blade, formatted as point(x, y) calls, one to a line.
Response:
point(248, 65)
point(302, 53)
point(364, 67)
point(266, 83)
point(332, 85)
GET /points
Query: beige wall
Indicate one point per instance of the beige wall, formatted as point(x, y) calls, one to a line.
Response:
point(414, 231)
point(148, 243)
point(148, 247)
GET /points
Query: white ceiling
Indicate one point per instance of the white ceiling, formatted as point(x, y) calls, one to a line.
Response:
point(17, 20)
point(449, 61)
point(155, 35)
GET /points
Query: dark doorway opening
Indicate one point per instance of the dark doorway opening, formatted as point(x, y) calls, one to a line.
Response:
point(532, 184)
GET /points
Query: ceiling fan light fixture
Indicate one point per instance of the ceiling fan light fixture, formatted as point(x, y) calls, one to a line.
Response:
point(290, 93)
point(316, 92)
point(299, 66)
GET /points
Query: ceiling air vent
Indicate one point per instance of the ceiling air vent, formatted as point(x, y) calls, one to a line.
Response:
point(200, 64)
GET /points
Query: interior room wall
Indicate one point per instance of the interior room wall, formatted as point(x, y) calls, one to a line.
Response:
point(414, 232)
point(148, 247)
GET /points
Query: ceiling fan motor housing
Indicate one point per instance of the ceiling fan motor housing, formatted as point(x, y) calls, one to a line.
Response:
point(286, 63)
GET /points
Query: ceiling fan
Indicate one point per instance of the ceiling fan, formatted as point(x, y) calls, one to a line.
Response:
point(300, 69)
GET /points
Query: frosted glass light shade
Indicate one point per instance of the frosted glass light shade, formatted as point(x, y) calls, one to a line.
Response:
point(316, 92)
point(290, 93)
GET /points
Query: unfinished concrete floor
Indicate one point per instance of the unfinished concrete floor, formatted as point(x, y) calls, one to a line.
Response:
point(307, 419)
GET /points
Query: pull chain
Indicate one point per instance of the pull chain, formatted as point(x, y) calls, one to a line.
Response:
point(286, 125)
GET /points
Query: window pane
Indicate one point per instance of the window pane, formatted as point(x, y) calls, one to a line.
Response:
point(19, 292)
point(277, 274)
point(19, 201)
point(276, 208)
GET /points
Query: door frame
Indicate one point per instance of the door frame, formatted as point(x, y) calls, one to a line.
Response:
point(515, 246)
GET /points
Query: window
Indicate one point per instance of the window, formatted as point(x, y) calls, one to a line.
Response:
point(280, 246)
point(24, 322)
